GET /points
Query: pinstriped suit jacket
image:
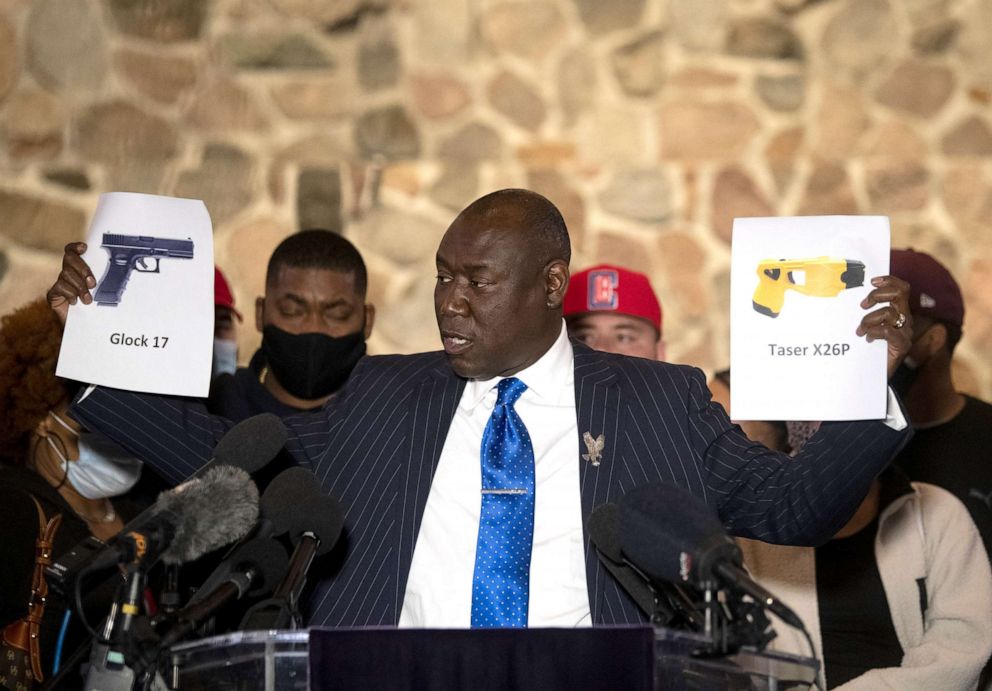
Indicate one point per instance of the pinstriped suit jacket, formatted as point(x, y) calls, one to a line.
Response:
point(376, 445)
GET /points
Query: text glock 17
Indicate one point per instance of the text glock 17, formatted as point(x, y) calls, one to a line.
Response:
point(134, 253)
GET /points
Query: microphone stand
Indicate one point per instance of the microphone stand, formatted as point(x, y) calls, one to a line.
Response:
point(109, 670)
point(281, 610)
point(187, 620)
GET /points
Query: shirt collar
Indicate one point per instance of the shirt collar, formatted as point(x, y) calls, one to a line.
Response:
point(547, 378)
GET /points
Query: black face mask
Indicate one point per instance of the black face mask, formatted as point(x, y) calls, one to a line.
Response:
point(311, 365)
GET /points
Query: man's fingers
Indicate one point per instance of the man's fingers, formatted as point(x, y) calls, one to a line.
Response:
point(888, 289)
point(888, 332)
point(73, 283)
point(72, 263)
point(894, 327)
point(889, 316)
point(69, 289)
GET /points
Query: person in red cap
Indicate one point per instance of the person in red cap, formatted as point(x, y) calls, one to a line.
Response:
point(226, 319)
point(614, 309)
point(953, 430)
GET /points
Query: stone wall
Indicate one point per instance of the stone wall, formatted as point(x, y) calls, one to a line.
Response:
point(651, 123)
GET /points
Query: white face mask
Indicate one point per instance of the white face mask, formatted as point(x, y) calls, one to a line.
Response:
point(103, 470)
point(225, 357)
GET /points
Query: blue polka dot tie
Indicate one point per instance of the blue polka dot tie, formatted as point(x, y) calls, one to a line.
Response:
point(500, 588)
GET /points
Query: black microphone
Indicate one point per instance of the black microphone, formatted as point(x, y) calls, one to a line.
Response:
point(279, 503)
point(666, 603)
point(672, 535)
point(602, 528)
point(252, 570)
point(319, 524)
point(249, 445)
point(314, 527)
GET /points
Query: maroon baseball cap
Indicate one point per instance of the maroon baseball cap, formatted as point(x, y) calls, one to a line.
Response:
point(608, 288)
point(223, 297)
point(933, 292)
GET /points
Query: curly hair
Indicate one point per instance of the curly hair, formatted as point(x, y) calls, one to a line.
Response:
point(29, 348)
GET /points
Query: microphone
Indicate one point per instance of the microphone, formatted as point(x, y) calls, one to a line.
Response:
point(666, 603)
point(186, 522)
point(251, 571)
point(314, 525)
point(279, 502)
point(198, 516)
point(249, 445)
point(602, 527)
point(672, 535)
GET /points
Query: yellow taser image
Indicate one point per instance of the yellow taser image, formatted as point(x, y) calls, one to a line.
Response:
point(822, 277)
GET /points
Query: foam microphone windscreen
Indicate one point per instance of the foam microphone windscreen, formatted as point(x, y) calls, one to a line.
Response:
point(215, 509)
point(320, 515)
point(251, 443)
point(669, 533)
point(266, 558)
point(603, 526)
point(282, 498)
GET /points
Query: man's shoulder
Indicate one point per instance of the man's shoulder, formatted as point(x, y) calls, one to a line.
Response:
point(405, 367)
point(430, 359)
point(636, 367)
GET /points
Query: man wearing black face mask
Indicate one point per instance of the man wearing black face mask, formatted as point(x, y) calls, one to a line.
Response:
point(953, 430)
point(314, 321)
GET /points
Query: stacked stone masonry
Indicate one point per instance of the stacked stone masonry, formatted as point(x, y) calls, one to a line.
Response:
point(651, 123)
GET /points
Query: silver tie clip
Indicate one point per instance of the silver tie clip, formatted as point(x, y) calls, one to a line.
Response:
point(504, 491)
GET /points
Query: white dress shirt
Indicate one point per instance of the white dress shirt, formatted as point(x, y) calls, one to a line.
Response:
point(439, 589)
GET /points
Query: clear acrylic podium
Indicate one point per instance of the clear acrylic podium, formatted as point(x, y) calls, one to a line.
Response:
point(281, 661)
point(242, 661)
point(677, 667)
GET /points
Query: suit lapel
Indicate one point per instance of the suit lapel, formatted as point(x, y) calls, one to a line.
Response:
point(597, 403)
point(432, 408)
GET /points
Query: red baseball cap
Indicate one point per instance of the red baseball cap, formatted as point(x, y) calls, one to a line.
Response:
point(608, 288)
point(933, 292)
point(223, 297)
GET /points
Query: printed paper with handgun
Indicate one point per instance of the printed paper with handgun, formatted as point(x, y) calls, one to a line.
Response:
point(796, 288)
point(150, 325)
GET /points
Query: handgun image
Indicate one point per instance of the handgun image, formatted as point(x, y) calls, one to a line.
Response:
point(822, 277)
point(134, 253)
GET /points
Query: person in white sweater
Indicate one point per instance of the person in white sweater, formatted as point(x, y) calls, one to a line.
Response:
point(937, 585)
point(900, 598)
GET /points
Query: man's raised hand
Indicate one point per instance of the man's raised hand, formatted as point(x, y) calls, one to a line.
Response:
point(893, 322)
point(74, 281)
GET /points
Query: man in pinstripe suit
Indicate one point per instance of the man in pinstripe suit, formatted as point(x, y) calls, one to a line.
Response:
point(399, 445)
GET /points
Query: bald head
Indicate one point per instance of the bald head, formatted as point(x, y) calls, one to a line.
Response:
point(534, 217)
point(502, 272)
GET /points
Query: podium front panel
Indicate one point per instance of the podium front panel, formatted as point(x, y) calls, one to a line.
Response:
point(541, 659)
point(482, 659)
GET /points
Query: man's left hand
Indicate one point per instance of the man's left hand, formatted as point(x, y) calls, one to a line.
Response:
point(893, 322)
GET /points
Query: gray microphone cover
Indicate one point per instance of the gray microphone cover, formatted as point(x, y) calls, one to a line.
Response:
point(210, 511)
